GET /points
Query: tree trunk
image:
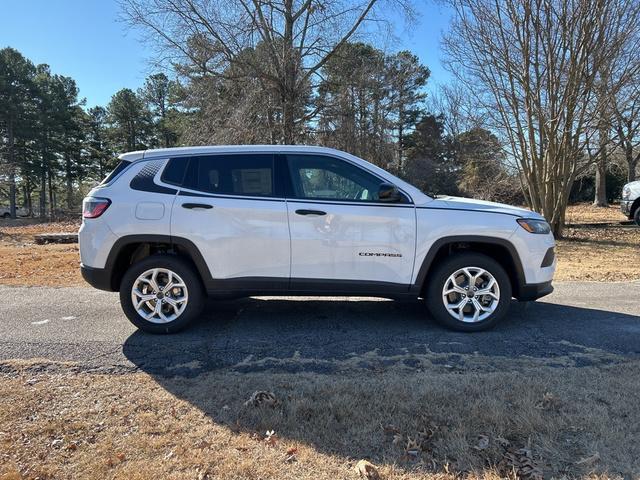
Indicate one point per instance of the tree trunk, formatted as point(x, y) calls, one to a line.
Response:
point(632, 164)
point(12, 169)
point(288, 87)
point(601, 166)
point(52, 200)
point(601, 185)
point(69, 182)
point(43, 188)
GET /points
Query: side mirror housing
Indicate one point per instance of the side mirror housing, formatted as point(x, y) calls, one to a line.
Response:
point(389, 193)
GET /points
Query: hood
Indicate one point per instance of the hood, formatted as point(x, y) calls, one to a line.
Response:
point(460, 203)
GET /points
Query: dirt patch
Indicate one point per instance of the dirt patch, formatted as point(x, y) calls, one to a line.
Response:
point(572, 422)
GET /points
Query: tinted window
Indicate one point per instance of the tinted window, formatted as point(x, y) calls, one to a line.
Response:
point(232, 174)
point(175, 170)
point(319, 177)
point(119, 168)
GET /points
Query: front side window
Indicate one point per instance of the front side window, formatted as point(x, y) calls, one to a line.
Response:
point(250, 175)
point(327, 178)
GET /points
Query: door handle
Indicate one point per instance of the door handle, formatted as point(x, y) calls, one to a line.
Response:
point(196, 205)
point(310, 212)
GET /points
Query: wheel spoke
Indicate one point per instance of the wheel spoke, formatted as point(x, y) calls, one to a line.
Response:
point(455, 289)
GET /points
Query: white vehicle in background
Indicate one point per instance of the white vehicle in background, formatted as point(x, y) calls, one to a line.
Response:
point(630, 205)
point(168, 227)
point(5, 212)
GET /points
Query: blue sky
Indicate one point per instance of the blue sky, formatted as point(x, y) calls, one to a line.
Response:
point(83, 39)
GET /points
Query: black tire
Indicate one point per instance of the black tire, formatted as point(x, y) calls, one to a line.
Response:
point(6, 215)
point(636, 216)
point(196, 294)
point(447, 267)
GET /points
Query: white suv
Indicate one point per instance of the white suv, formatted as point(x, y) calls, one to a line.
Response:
point(168, 227)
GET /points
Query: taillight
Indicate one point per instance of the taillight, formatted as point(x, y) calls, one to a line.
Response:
point(94, 207)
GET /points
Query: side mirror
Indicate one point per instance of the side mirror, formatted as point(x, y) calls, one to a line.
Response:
point(389, 193)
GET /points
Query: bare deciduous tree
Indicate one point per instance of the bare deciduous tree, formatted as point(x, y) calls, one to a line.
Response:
point(533, 66)
point(298, 38)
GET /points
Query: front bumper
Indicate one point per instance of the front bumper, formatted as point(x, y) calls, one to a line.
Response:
point(99, 278)
point(625, 207)
point(533, 291)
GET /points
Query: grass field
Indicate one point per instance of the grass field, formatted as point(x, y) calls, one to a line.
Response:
point(532, 423)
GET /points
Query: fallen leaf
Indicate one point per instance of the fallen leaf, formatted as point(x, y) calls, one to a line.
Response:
point(367, 470)
point(261, 399)
point(483, 443)
point(292, 450)
point(120, 456)
point(412, 448)
point(521, 463)
point(271, 438)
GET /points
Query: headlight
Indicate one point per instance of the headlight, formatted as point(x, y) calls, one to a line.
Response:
point(626, 193)
point(532, 225)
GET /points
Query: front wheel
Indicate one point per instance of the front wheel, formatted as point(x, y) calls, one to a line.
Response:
point(636, 216)
point(468, 292)
point(161, 294)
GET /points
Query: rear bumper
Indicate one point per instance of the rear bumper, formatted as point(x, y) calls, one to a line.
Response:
point(625, 207)
point(99, 278)
point(533, 291)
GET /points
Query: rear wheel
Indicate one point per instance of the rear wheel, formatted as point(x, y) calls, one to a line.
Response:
point(161, 294)
point(468, 292)
point(636, 216)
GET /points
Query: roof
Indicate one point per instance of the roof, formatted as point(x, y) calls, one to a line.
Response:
point(164, 152)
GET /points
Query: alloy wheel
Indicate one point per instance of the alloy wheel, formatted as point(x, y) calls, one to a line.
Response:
point(471, 294)
point(159, 295)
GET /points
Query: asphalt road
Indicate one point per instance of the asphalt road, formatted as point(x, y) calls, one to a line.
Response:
point(579, 324)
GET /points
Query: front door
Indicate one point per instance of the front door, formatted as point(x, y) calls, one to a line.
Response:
point(228, 208)
point(341, 233)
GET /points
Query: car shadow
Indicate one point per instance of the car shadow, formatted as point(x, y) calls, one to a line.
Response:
point(329, 335)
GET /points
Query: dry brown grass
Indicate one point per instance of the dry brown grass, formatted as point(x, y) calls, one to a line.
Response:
point(26, 263)
point(577, 422)
point(587, 213)
point(602, 253)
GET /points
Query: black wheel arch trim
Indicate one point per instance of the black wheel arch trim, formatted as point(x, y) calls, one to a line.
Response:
point(122, 242)
point(429, 258)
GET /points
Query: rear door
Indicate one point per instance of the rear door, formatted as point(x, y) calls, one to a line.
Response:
point(228, 207)
point(342, 235)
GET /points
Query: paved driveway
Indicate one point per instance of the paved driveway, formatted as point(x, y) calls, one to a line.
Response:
point(579, 324)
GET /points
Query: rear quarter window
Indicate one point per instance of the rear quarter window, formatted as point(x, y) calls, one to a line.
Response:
point(116, 171)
